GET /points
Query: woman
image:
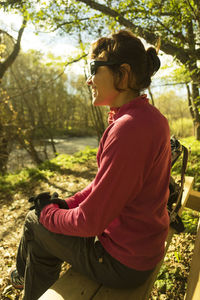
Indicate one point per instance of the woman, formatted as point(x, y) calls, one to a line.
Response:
point(125, 205)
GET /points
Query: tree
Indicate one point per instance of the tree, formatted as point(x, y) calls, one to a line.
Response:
point(180, 76)
point(38, 101)
point(7, 60)
point(176, 22)
point(7, 114)
point(7, 130)
point(174, 107)
point(46, 104)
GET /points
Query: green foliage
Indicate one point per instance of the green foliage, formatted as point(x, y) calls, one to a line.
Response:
point(10, 183)
point(182, 127)
point(175, 109)
point(85, 155)
point(172, 105)
point(190, 220)
point(180, 74)
point(168, 275)
point(164, 282)
point(68, 161)
point(175, 266)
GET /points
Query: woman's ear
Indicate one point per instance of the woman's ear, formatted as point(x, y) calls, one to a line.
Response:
point(125, 71)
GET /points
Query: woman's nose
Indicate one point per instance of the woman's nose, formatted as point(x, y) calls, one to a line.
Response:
point(89, 80)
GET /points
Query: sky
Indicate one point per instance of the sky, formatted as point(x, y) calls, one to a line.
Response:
point(44, 42)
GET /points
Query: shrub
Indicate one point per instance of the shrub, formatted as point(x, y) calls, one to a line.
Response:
point(181, 127)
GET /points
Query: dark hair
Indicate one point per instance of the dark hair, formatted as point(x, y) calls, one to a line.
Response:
point(125, 47)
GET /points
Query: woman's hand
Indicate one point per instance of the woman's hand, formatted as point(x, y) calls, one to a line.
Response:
point(43, 199)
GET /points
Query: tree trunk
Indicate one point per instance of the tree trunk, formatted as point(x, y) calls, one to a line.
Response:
point(11, 58)
point(151, 96)
point(190, 105)
point(28, 145)
point(53, 145)
point(4, 155)
point(196, 100)
point(197, 132)
point(34, 154)
point(98, 121)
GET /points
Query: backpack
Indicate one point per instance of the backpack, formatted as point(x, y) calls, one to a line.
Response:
point(176, 186)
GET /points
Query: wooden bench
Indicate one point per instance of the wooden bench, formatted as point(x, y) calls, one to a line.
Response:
point(73, 286)
point(193, 283)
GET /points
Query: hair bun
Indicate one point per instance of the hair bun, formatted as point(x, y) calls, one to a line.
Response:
point(154, 61)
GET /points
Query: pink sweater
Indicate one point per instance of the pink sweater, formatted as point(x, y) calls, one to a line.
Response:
point(125, 205)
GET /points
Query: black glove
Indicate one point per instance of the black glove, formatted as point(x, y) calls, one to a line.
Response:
point(61, 203)
point(40, 201)
point(43, 199)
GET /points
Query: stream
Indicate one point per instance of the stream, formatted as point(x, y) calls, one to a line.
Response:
point(19, 158)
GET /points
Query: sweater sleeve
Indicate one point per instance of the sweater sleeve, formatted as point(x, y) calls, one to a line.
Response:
point(113, 187)
point(76, 199)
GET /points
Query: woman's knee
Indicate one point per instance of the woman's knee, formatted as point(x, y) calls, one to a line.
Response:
point(31, 220)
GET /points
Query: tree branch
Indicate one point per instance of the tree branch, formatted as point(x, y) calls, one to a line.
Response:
point(11, 58)
point(196, 14)
point(6, 33)
point(166, 46)
point(178, 35)
point(46, 84)
point(65, 23)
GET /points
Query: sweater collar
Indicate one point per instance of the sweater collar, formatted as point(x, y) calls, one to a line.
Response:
point(116, 112)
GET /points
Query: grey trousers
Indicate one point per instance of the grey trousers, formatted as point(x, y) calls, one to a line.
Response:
point(41, 253)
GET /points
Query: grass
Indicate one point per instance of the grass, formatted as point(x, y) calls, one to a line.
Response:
point(62, 164)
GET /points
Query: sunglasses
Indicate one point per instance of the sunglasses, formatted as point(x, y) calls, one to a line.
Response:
point(97, 63)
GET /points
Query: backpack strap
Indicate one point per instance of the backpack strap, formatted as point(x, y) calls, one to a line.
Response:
point(174, 212)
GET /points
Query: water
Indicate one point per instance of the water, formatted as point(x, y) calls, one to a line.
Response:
point(19, 158)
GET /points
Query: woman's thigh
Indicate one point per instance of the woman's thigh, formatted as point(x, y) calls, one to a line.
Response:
point(87, 256)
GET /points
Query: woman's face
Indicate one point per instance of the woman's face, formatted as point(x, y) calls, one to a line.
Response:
point(102, 86)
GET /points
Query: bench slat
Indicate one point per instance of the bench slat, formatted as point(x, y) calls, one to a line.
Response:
point(71, 286)
point(194, 200)
point(193, 284)
point(186, 192)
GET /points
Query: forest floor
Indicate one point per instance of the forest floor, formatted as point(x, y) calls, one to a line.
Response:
point(66, 176)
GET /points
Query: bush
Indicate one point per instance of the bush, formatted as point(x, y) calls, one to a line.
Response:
point(181, 127)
